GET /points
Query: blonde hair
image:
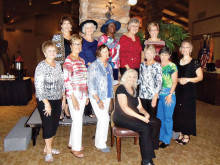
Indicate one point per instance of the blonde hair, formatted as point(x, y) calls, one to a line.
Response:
point(186, 41)
point(86, 25)
point(153, 24)
point(150, 48)
point(75, 37)
point(47, 44)
point(125, 76)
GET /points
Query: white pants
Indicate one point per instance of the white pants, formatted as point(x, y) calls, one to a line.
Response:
point(75, 139)
point(102, 115)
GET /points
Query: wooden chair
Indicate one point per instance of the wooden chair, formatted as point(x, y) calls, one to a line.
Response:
point(119, 133)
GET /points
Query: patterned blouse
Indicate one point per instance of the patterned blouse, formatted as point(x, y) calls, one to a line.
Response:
point(48, 80)
point(114, 47)
point(98, 80)
point(167, 72)
point(75, 77)
point(150, 79)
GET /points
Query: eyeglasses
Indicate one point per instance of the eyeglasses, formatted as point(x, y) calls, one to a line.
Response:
point(77, 44)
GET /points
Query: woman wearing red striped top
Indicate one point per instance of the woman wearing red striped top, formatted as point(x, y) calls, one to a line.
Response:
point(75, 78)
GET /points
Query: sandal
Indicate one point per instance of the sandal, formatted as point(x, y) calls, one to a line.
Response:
point(49, 158)
point(182, 142)
point(77, 154)
point(177, 141)
point(69, 146)
point(54, 151)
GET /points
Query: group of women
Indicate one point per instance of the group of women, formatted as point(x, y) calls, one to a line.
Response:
point(83, 72)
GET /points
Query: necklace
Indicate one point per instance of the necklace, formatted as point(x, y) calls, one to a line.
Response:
point(185, 61)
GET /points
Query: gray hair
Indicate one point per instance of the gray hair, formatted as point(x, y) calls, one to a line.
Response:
point(133, 20)
point(125, 76)
point(86, 25)
point(186, 41)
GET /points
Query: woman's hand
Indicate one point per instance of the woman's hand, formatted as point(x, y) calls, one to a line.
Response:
point(154, 102)
point(168, 100)
point(183, 81)
point(47, 110)
point(101, 104)
point(127, 66)
point(75, 104)
point(145, 118)
point(87, 101)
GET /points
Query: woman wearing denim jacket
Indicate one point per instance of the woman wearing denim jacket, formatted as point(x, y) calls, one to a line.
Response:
point(100, 86)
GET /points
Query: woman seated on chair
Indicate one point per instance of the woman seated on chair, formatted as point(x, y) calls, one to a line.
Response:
point(130, 114)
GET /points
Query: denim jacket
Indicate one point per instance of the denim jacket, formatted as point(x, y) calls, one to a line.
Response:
point(97, 80)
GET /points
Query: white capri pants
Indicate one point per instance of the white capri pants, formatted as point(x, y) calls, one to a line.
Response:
point(75, 139)
point(102, 115)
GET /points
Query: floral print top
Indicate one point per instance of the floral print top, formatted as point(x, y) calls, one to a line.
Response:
point(75, 77)
point(167, 71)
point(150, 79)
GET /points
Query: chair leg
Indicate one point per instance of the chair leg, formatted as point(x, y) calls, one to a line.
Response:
point(135, 140)
point(112, 138)
point(119, 148)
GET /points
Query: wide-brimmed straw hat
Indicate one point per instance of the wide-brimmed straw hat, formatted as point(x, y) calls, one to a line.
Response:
point(117, 23)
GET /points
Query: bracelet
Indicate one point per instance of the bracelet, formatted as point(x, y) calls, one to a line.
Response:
point(98, 101)
point(170, 94)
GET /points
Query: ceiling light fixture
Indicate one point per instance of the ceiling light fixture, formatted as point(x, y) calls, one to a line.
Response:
point(132, 2)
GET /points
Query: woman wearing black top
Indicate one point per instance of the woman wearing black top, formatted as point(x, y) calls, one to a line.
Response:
point(130, 114)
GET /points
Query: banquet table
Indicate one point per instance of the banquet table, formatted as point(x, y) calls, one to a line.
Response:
point(15, 92)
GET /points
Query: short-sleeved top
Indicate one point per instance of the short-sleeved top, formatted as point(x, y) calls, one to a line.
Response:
point(131, 100)
point(167, 72)
point(130, 52)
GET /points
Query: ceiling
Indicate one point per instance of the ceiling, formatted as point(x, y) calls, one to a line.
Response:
point(175, 11)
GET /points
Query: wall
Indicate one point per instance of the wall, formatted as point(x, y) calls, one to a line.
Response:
point(204, 18)
point(29, 43)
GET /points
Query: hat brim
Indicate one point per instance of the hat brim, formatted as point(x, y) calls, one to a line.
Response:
point(88, 21)
point(117, 23)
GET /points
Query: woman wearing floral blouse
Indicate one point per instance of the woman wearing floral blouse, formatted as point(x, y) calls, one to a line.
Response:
point(75, 78)
point(167, 98)
point(100, 85)
point(150, 79)
point(49, 86)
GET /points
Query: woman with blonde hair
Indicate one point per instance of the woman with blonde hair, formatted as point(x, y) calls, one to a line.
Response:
point(189, 73)
point(153, 29)
point(129, 113)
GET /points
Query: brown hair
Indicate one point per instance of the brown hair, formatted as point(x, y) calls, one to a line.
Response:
point(75, 37)
point(66, 18)
point(153, 24)
point(98, 51)
point(186, 41)
point(47, 44)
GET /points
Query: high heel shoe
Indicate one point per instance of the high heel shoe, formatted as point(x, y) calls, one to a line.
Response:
point(182, 141)
point(68, 117)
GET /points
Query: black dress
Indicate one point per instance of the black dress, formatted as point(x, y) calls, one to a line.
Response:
point(184, 118)
point(121, 119)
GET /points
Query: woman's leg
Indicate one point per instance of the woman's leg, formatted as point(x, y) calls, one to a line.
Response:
point(160, 115)
point(102, 123)
point(75, 139)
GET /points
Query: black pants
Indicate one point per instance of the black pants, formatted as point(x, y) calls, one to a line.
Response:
point(50, 123)
point(146, 130)
point(153, 113)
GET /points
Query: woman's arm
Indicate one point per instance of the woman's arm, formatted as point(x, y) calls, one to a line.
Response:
point(142, 110)
point(158, 81)
point(199, 77)
point(122, 99)
point(168, 98)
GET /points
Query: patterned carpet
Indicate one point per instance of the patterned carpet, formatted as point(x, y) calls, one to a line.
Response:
point(202, 149)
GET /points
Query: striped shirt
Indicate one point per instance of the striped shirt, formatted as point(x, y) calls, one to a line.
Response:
point(75, 77)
